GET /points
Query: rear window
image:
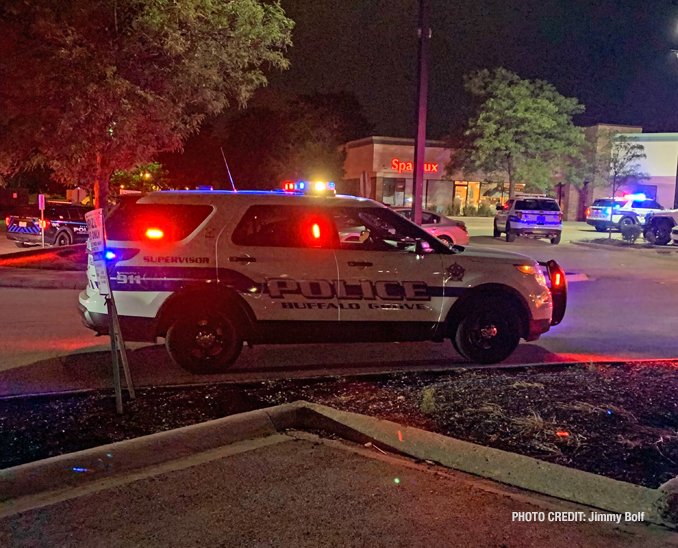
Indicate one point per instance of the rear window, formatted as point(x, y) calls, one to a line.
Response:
point(537, 205)
point(167, 222)
point(605, 203)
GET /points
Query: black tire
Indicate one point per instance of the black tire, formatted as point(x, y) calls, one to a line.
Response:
point(600, 228)
point(497, 232)
point(490, 331)
point(62, 239)
point(626, 222)
point(662, 232)
point(556, 239)
point(510, 236)
point(204, 342)
point(21, 244)
point(446, 239)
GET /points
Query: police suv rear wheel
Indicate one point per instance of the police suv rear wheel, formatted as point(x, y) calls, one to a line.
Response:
point(556, 239)
point(510, 236)
point(204, 342)
point(497, 232)
point(489, 332)
point(63, 239)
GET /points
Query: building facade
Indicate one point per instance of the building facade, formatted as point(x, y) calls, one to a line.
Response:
point(381, 168)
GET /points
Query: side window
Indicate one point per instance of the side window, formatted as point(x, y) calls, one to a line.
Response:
point(638, 204)
point(429, 218)
point(76, 214)
point(379, 229)
point(285, 226)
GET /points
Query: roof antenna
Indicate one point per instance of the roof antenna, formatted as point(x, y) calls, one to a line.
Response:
point(229, 171)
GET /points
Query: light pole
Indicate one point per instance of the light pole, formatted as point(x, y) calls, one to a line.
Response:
point(422, 88)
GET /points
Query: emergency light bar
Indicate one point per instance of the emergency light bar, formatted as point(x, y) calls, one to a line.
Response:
point(309, 187)
point(639, 197)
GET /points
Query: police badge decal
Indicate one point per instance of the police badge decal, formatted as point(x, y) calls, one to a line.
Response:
point(455, 273)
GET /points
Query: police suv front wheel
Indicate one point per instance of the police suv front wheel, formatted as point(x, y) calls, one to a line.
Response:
point(204, 342)
point(489, 332)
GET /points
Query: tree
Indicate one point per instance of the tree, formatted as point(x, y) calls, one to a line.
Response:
point(99, 86)
point(299, 139)
point(144, 178)
point(617, 164)
point(522, 130)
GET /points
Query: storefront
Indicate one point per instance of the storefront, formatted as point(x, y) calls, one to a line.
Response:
point(382, 168)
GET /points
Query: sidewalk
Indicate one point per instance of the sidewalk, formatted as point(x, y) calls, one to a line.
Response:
point(286, 492)
point(261, 479)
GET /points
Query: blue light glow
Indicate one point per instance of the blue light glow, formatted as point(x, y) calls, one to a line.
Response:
point(80, 469)
point(110, 255)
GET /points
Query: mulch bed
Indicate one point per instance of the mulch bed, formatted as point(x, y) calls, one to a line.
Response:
point(72, 257)
point(618, 421)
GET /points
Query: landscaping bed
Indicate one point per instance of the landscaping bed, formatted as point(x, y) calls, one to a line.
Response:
point(72, 257)
point(619, 421)
point(618, 242)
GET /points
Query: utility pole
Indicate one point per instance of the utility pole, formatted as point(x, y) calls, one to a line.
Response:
point(424, 32)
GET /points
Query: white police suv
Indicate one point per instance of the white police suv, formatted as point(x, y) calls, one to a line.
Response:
point(531, 215)
point(211, 270)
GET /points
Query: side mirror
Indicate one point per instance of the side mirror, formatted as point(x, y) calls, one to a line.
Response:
point(421, 247)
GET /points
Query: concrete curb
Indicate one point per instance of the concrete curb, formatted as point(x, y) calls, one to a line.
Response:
point(75, 469)
point(34, 278)
point(660, 505)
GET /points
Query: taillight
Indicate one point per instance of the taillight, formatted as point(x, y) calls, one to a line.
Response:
point(44, 224)
point(462, 225)
point(588, 211)
point(7, 219)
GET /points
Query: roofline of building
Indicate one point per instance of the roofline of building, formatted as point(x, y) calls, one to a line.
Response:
point(668, 137)
point(383, 140)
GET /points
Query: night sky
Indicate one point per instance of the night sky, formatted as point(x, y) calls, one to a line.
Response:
point(613, 55)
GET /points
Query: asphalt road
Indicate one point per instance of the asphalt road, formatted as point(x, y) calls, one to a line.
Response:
point(627, 309)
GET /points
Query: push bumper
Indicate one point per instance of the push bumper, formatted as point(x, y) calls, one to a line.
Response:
point(558, 283)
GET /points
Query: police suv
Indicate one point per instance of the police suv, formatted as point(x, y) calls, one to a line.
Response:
point(616, 213)
point(210, 271)
point(531, 215)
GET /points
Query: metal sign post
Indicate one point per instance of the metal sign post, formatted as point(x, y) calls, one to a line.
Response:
point(97, 238)
point(41, 206)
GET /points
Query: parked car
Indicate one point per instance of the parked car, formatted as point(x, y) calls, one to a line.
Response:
point(448, 230)
point(616, 213)
point(531, 215)
point(64, 224)
point(211, 270)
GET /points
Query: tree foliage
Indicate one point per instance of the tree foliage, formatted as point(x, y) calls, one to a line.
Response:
point(299, 139)
point(97, 86)
point(618, 165)
point(522, 130)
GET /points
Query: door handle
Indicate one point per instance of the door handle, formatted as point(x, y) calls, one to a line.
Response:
point(242, 260)
point(359, 263)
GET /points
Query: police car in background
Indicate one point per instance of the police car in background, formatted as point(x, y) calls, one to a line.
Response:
point(64, 224)
point(211, 270)
point(631, 209)
point(532, 215)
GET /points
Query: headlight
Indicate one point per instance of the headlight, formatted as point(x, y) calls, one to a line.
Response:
point(532, 270)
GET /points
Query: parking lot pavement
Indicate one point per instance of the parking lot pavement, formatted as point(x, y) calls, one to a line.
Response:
point(306, 493)
point(7, 246)
point(572, 230)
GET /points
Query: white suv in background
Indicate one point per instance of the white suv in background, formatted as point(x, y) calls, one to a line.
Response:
point(615, 213)
point(531, 215)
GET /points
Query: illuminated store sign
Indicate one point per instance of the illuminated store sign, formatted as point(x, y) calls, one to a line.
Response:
point(397, 165)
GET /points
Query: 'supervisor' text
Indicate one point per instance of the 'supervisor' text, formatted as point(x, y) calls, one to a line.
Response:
point(363, 289)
